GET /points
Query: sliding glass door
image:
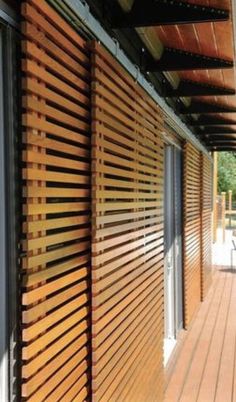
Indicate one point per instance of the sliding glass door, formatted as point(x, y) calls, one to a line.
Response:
point(3, 281)
point(173, 248)
point(9, 209)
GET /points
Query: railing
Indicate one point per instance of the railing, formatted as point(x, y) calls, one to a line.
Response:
point(225, 212)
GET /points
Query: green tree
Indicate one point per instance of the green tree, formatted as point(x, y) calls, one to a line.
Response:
point(227, 172)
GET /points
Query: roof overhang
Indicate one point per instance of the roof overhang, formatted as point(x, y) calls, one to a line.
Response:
point(191, 78)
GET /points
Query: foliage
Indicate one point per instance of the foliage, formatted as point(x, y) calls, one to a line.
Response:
point(227, 172)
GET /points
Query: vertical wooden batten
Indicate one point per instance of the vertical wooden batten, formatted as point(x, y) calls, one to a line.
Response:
point(56, 208)
point(127, 236)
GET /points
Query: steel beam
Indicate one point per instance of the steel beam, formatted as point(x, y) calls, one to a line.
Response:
point(225, 140)
point(165, 12)
point(206, 107)
point(212, 121)
point(176, 60)
point(222, 148)
point(221, 143)
point(192, 88)
point(215, 138)
point(216, 130)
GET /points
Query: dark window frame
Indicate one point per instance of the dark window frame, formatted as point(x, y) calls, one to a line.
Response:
point(9, 203)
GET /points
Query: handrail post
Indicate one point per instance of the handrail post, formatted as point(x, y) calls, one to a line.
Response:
point(230, 207)
point(223, 194)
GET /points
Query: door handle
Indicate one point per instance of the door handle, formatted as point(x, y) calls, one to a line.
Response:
point(169, 263)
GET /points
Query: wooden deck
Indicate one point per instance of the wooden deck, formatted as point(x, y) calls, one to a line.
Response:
point(205, 366)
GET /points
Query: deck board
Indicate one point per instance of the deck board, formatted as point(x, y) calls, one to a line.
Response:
point(204, 370)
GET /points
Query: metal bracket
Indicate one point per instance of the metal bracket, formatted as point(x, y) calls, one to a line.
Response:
point(137, 73)
point(85, 18)
point(117, 47)
point(166, 12)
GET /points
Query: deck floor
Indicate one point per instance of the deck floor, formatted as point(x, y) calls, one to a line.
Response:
point(205, 369)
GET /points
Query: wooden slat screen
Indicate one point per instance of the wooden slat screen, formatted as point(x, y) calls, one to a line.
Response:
point(56, 211)
point(192, 231)
point(127, 229)
point(206, 225)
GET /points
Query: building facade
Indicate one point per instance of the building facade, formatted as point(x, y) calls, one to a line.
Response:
point(106, 213)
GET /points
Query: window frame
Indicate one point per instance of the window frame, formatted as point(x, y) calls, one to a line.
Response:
point(9, 204)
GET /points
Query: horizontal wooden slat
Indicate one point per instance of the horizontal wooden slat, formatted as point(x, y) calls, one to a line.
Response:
point(53, 208)
point(35, 226)
point(44, 307)
point(49, 79)
point(38, 54)
point(54, 27)
point(192, 231)
point(56, 198)
point(31, 104)
point(127, 231)
point(62, 147)
point(55, 239)
point(65, 331)
point(35, 294)
point(206, 226)
point(55, 192)
point(36, 123)
point(53, 255)
point(52, 367)
point(32, 87)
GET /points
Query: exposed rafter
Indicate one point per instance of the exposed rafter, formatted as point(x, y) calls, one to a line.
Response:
point(165, 12)
point(176, 59)
point(222, 148)
point(222, 143)
point(192, 88)
point(218, 141)
point(216, 130)
point(214, 138)
point(206, 107)
point(212, 121)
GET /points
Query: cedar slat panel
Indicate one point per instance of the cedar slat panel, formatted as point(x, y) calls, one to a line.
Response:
point(127, 236)
point(206, 226)
point(56, 232)
point(191, 231)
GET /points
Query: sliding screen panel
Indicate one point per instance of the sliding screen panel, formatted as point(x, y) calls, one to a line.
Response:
point(127, 236)
point(191, 231)
point(206, 222)
point(56, 208)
